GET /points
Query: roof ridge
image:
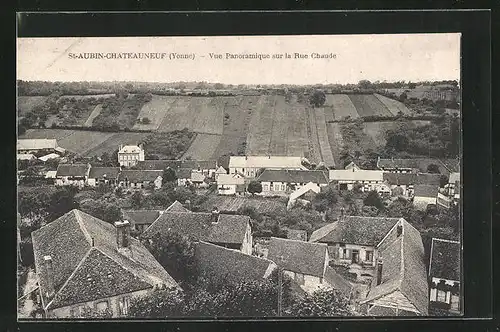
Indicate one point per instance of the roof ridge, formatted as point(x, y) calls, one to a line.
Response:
point(79, 220)
point(445, 240)
point(402, 271)
point(294, 240)
point(70, 276)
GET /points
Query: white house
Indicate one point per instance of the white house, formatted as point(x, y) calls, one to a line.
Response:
point(444, 276)
point(282, 182)
point(36, 145)
point(367, 179)
point(227, 184)
point(137, 179)
point(129, 155)
point(307, 264)
point(250, 166)
point(219, 171)
point(72, 174)
point(425, 195)
point(453, 186)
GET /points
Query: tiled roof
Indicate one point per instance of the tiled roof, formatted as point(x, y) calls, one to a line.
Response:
point(36, 144)
point(101, 172)
point(265, 162)
point(419, 164)
point(229, 229)
point(355, 175)
point(445, 259)
point(403, 269)
point(412, 178)
point(296, 234)
point(424, 190)
point(139, 175)
point(227, 179)
point(130, 149)
point(177, 164)
point(85, 272)
point(72, 170)
point(140, 217)
point(337, 282)
point(293, 176)
point(298, 256)
point(176, 207)
point(232, 264)
point(355, 230)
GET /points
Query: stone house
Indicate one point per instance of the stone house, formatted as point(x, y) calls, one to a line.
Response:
point(250, 166)
point(72, 174)
point(283, 182)
point(137, 179)
point(129, 155)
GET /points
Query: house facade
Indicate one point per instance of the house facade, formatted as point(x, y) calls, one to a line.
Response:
point(251, 166)
point(207, 167)
point(104, 175)
point(283, 182)
point(403, 184)
point(367, 180)
point(444, 277)
point(129, 155)
point(227, 184)
point(72, 175)
point(93, 255)
point(138, 179)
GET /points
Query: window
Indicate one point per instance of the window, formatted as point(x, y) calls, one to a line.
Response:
point(455, 302)
point(369, 256)
point(276, 187)
point(441, 296)
point(266, 187)
point(101, 306)
point(344, 254)
point(283, 187)
point(123, 305)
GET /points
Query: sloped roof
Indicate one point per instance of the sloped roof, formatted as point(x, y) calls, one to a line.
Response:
point(355, 175)
point(412, 178)
point(296, 234)
point(403, 270)
point(85, 272)
point(304, 189)
point(25, 156)
point(425, 190)
point(176, 164)
point(50, 156)
point(72, 170)
point(141, 217)
point(228, 179)
point(100, 172)
point(229, 229)
point(445, 259)
point(265, 162)
point(139, 175)
point(36, 144)
point(298, 256)
point(420, 164)
point(232, 264)
point(176, 207)
point(221, 170)
point(355, 230)
point(130, 149)
point(293, 176)
point(337, 282)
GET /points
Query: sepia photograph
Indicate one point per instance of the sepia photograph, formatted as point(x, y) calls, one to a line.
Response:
point(239, 177)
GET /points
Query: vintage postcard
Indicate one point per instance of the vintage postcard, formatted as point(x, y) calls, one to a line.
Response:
point(239, 176)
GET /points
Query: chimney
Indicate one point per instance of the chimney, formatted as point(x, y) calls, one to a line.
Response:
point(399, 230)
point(122, 234)
point(215, 215)
point(379, 271)
point(50, 276)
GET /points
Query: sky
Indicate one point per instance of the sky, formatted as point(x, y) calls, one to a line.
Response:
point(408, 57)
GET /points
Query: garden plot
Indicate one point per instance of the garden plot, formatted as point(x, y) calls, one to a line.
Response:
point(342, 106)
point(154, 111)
point(260, 127)
point(203, 147)
point(324, 144)
point(392, 105)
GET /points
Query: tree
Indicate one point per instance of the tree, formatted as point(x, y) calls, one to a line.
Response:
point(168, 176)
point(373, 199)
point(433, 168)
point(322, 303)
point(61, 202)
point(103, 210)
point(175, 253)
point(137, 199)
point(317, 98)
point(365, 84)
point(159, 304)
point(254, 187)
point(398, 142)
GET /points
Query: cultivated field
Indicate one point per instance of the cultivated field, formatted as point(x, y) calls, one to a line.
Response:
point(113, 142)
point(79, 97)
point(261, 126)
point(279, 136)
point(208, 115)
point(155, 111)
point(57, 134)
point(178, 116)
point(336, 141)
point(232, 204)
point(26, 103)
point(369, 105)
point(377, 130)
point(92, 115)
point(314, 153)
point(342, 106)
point(392, 105)
point(296, 118)
point(203, 147)
point(81, 142)
point(324, 144)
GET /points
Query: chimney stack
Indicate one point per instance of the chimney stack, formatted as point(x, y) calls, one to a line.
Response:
point(122, 234)
point(399, 230)
point(50, 276)
point(379, 271)
point(215, 215)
